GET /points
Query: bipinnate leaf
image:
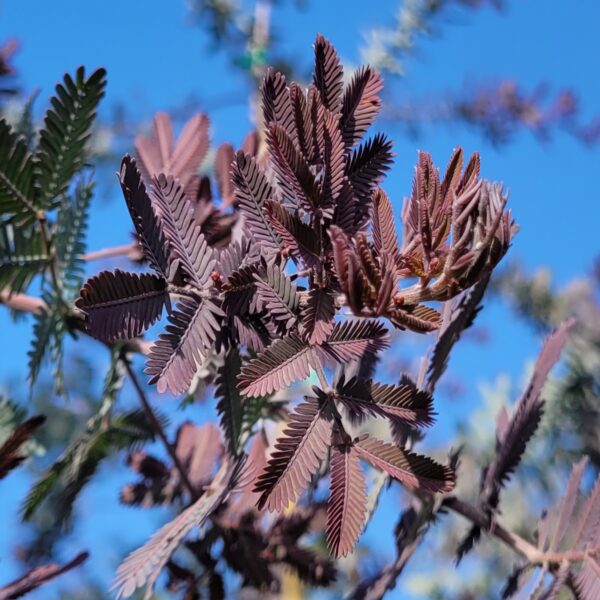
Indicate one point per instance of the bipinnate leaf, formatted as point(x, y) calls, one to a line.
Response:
point(229, 401)
point(174, 358)
point(38, 577)
point(360, 104)
point(303, 120)
point(104, 433)
point(347, 505)
point(385, 238)
point(282, 362)
point(278, 296)
point(297, 455)
point(69, 243)
point(334, 160)
point(276, 103)
point(295, 180)
point(410, 469)
point(48, 333)
point(143, 566)
point(198, 447)
point(317, 317)
point(298, 238)
point(328, 75)
point(350, 340)
point(16, 178)
point(22, 256)
point(187, 248)
point(368, 164)
point(416, 317)
point(121, 305)
point(223, 159)
point(404, 402)
point(144, 218)
point(456, 317)
point(566, 508)
point(513, 437)
point(252, 190)
point(158, 153)
point(65, 133)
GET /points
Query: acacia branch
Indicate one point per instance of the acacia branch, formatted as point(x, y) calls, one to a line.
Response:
point(534, 555)
point(160, 432)
point(123, 250)
point(22, 302)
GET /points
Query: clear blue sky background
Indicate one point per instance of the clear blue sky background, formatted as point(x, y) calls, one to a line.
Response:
point(156, 59)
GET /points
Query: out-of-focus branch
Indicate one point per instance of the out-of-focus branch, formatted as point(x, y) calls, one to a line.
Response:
point(415, 524)
point(37, 577)
point(22, 302)
point(387, 48)
point(124, 250)
point(500, 111)
point(160, 432)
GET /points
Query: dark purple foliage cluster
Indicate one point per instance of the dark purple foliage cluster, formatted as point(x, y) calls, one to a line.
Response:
point(316, 234)
point(296, 272)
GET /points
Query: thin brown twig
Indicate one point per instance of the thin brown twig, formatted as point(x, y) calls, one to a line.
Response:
point(22, 302)
point(123, 250)
point(160, 432)
point(534, 555)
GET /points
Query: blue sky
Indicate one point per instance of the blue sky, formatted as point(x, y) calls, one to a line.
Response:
point(156, 59)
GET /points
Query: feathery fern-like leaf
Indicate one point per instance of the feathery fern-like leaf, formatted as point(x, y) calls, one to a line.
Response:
point(297, 455)
point(318, 314)
point(276, 103)
point(17, 201)
point(360, 104)
point(416, 317)
point(68, 475)
point(368, 164)
point(298, 238)
point(252, 190)
point(22, 256)
point(121, 305)
point(69, 243)
point(385, 238)
point(347, 506)
point(66, 131)
point(143, 566)
point(295, 180)
point(284, 361)
point(334, 161)
point(145, 220)
point(159, 154)
point(455, 319)
point(403, 402)
point(514, 434)
point(174, 358)
point(48, 333)
point(229, 401)
point(188, 249)
point(328, 75)
point(278, 296)
point(408, 468)
point(350, 340)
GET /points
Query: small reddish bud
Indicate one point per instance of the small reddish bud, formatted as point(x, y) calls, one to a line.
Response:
point(216, 277)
